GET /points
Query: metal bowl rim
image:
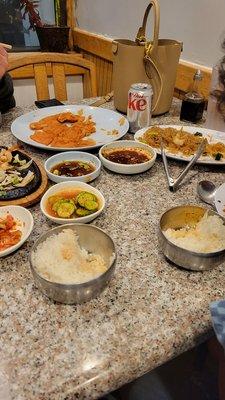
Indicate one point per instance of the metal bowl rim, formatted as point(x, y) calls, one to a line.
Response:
point(73, 285)
point(194, 253)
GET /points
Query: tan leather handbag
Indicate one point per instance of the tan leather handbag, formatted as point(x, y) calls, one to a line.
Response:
point(153, 62)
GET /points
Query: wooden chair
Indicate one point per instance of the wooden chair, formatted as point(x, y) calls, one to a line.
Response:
point(40, 66)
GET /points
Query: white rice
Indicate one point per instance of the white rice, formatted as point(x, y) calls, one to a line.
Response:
point(60, 259)
point(207, 236)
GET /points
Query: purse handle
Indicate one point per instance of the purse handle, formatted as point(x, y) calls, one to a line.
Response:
point(151, 47)
point(141, 35)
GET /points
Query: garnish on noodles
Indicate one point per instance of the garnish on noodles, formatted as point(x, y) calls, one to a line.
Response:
point(64, 130)
point(9, 232)
point(179, 141)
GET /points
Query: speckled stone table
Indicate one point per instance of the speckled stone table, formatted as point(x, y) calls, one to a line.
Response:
point(150, 312)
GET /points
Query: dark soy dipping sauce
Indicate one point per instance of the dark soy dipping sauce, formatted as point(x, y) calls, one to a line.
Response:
point(127, 156)
point(191, 111)
point(73, 168)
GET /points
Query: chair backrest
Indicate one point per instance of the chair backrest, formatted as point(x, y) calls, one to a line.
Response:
point(40, 66)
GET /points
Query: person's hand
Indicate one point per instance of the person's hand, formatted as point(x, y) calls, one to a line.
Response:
point(3, 61)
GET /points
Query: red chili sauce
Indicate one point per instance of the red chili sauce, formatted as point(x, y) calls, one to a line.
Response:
point(127, 156)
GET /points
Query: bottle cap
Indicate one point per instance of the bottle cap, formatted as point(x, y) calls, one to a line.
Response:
point(198, 75)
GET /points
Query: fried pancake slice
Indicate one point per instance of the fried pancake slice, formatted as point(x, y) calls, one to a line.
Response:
point(44, 122)
point(55, 132)
point(42, 137)
point(68, 117)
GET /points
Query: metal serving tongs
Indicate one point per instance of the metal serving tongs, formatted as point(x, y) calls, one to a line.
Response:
point(173, 183)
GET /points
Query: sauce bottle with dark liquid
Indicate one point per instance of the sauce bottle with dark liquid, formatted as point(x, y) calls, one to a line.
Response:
point(194, 103)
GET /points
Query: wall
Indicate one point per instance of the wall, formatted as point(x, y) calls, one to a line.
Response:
point(200, 24)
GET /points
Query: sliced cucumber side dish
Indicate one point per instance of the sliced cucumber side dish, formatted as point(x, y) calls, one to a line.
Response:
point(85, 196)
point(82, 212)
point(66, 209)
point(91, 205)
point(83, 204)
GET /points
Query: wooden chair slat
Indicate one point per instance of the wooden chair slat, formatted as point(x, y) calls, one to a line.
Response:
point(41, 82)
point(28, 71)
point(59, 81)
point(86, 86)
point(93, 80)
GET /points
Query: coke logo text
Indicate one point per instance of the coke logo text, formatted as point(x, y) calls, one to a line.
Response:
point(137, 103)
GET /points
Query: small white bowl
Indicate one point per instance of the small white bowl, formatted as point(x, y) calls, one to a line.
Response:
point(59, 187)
point(127, 168)
point(27, 223)
point(73, 156)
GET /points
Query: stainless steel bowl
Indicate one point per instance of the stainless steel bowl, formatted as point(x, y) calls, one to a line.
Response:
point(94, 240)
point(179, 217)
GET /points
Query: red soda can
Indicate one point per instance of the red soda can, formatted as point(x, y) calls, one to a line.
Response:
point(139, 106)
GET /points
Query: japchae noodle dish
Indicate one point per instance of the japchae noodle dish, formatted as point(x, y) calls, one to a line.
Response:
point(179, 141)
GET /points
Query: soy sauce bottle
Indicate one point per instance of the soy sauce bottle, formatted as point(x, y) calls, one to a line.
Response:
point(194, 103)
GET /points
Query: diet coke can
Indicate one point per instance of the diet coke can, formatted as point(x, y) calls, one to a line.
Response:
point(139, 106)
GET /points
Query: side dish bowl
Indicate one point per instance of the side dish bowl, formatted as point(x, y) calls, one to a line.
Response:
point(92, 239)
point(179, 217)
point(127, 168)
point(73, 156)
point(26, 224)
point(71, 186)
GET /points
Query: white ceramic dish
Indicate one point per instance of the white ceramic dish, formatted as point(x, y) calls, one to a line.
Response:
point(220, 200)
point(59, 187)
point(27, 223)
point(73, 156)
point(107, 123)
point(127, 168)
point(211, 135)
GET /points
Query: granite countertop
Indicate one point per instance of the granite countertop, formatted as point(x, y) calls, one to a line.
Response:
point(150, 312)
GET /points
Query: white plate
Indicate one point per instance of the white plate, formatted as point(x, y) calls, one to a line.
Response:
point(106, 121)
point(220, 200)
point(27, 223)
point(211, 135)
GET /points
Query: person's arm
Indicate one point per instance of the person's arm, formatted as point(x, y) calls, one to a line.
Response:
point(7, 100)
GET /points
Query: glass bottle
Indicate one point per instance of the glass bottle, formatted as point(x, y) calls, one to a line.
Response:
point(193, 103)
